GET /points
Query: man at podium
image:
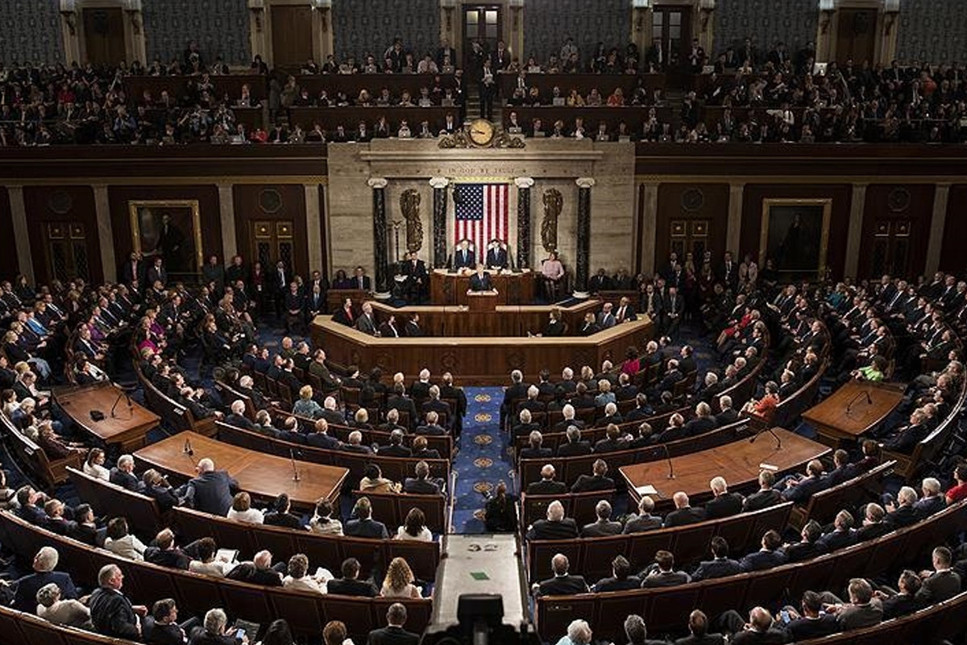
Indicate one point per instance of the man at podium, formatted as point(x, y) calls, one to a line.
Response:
point(464, 257)
point(480, 281)
point(496, 255)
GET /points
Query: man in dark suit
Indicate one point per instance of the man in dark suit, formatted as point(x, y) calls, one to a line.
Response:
point(902, 512)
point(698, 631)
point(364, 525)
point(349, 584)
point(874, 523)
point(802, 489)
point(621, 578)
point(574, 446)
point(842, 534)
point(727, 414)
point(724, 503)
point(683, 513)
point(45, 561)
point(399, 401)
point(674, 308)
point(432, 427)
point(555, 527)
point(644, 520)
point(480, 281)
point(547, 485)
point(562, 583)
point(463, 257)
point(598, 480)
point(496, 255)
point(765, 497)
point(111, 611)
point(360, 280)
point(768, 556)
point(663, 574)
point(123, 474)
point(860, 612)
point(703, 421)
point(422, 484)
point(604, 525)
point(943, 583)
point(211, 490)
point(393, 633)
point(808, 547)
point(237, 416)
point(905, 600)
point(534, 449)
point(613, 440)
point(395, 447)
point(412, 327)
point(526, 425)
point(810, 623)
point(133, 269)
point(320, 438)
point(720, 565)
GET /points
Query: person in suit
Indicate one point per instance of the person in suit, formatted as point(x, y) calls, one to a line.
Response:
point(903, 512)
point(674, 307)
point(555, 326)
point(808, 547)
point(801, 489)
point(555, 527)
point(319, 437)
point(422, 484)
point(237, 417)
point(597, 480)
point(534, 449)
point(574, 446)
point(637, 632)
point(810, 622)
point(874, 523)
point(703, 421)
point(350, 584)
point(211, 491)
point(393, 633)
point(861, 611)
point(464, 257)
point(123, 474)
point(547, 485)
point(644, 520)
point(360, 280)
point(621, 578)
point(280, 515)
point(942, 583)
point(563, 583)
point(496, 255)
point(766, 557)
point(604, 525)
point(625, 311)
point(842, 534)
point(698, 631)
point(420, 450)
point(765, 497)
point(480, 281)
point(363, 524)
point(45, 561)
point(366, 322)
point(613, 440)
point(932, 500)
point(904, 601)
point(399, 401)
point(526, 425)
point(724, 503)
point(395, 447)
point(432, 426)
point(133, 269)
point(683, 513)
point(727, 414)
point(112, 613)
point(663, 573)
point(412, 329)
point(590, 325)
point(720, 565)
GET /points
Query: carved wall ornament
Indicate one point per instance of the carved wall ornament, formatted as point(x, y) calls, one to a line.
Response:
point(553, 204)
point(410, 207)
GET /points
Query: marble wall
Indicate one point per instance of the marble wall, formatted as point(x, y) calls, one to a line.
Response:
point(552, 164)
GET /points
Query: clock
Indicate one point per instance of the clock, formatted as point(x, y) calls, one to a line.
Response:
point(481, 132)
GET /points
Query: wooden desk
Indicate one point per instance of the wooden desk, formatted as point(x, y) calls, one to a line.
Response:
point(583, 83)
point(349, 117)
point(336, 297)
point(127, 427)
point(477, 360)
point(451, 288)
point(853, 409)
point(738, 462)
point(263, 476)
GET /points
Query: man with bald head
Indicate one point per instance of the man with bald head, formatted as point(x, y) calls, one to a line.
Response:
point(555, 527)
point(563, 583)
point(683, 513)
point(547, 485)
point(758, 631)
point(211, 490)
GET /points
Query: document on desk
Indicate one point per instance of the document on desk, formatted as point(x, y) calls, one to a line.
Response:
point(647, 489)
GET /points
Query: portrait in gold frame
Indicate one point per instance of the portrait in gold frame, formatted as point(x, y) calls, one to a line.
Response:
point(170, 229)
point(794, 234)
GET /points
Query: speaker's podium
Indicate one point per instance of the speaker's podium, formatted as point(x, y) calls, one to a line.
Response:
point(482, 301)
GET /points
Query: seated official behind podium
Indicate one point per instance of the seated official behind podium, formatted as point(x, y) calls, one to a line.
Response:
point(464, 257)
point(552, 274)
point(497, 255)
point(480, 281)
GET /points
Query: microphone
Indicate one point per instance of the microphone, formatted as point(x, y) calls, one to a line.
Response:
point(770, 431)
point(671, 464)
point(869, 400)
point(187, 449)
point(295, 469)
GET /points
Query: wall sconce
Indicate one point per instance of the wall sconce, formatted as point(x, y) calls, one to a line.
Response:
point(826, 10)
point(516, 6)
point(323, 7)
point(257, 7)
point(68, 10)
point(705, 7)
point(448, 7)
point(640, 7)
point(891, 12)
point(133, 9)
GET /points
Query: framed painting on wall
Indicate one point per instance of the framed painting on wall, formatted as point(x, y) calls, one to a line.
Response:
point(794, 236)
point(170, 229)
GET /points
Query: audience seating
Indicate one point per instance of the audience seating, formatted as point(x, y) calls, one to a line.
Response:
point(392, 508)
point(141, 511)
point(663, 608)
point(591, 557)
point(51, 471)
point(195, 594)
point(441, 443)
point(583, 83)
point(177, 417)
point(578, 506)
point(824, 505)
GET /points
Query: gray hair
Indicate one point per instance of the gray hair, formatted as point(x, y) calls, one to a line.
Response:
point(215, 621)
point(46, 559)
point(579, 632)
point(48, 594)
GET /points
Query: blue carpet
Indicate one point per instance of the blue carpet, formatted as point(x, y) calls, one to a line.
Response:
point(482, 460)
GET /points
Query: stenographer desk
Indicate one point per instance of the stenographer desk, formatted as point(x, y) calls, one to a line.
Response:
point(480, 348)
point(513, 287)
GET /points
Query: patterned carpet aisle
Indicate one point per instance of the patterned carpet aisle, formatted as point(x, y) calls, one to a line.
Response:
point(482, 460)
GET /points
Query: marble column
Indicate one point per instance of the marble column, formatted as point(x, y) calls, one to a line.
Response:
point(524, 185)
point(381, 284)
point(649, 227)
point(938, 222)
point(733, 235)
point(314, 227)
point(102, 210)
point(439, 185)
point(854, 235)
point(226, 217)
point(18, 212)
point(583, 265)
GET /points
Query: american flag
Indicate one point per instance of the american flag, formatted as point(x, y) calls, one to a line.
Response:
point(482, 214)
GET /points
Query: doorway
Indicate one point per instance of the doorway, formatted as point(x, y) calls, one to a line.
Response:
point(104, 35)
point(291, 35)
point(856, 36)
point(481, 23)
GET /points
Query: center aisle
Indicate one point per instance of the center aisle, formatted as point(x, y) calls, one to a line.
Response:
point(482, 460)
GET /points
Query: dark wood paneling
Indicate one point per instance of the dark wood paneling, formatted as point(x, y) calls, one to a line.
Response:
point(714, 207)
point(323, 233)
point(896, 202)
point(248, 208)
point(104, 35)
point(9, 266)
point(955, 231)
point(291, 34)
point(207, 196)
point(66, 204)
point(838, 226)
